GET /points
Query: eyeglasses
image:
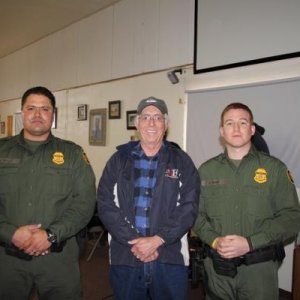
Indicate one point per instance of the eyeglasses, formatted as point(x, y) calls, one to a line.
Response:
point(155, 118)
point(40, 109)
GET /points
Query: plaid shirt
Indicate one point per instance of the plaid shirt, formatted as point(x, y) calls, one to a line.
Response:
point(145, 179)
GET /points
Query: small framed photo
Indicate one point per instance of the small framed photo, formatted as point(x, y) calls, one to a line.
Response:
point(114, 109)
point(18, 122)
point(54, 123)
point(82, 112)
point(9, 125)
point(130, 117)
point(2, 127)
point(97, 128)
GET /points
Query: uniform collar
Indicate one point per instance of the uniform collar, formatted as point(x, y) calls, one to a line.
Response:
point(21, 139)
point(252, 153)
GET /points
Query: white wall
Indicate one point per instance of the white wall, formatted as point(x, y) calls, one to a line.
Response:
point(130, 91)
point(129, 38)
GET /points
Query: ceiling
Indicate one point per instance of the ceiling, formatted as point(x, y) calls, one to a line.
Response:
point(23, 22)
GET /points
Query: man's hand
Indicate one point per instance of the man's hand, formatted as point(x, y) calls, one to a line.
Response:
point(22, 236)
point(231, 246)
point(31, 239)
point(145, 248)
point(151, 257)
point(39, 243)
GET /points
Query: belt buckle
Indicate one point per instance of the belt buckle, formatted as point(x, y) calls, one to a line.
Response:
point(242, 260)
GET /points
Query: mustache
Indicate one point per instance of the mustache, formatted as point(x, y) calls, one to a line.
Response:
point(37, 119)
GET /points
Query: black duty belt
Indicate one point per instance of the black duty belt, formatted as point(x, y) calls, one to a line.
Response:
point(16, 252)
point(228, 267)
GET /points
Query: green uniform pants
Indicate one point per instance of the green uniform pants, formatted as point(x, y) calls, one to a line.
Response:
point(55, 276)
point(257, 281)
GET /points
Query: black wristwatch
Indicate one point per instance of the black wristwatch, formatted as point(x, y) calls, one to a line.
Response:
point(51, 236)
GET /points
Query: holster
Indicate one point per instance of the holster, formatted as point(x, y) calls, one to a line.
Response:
point(222, 266)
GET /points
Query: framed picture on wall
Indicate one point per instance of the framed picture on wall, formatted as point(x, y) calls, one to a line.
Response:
point(54, 123)
point(82, 112)
point(2, 127)
point(9, 125)
point(97, 127)
point(114, 109)
point(130, 117)
point(18, 122)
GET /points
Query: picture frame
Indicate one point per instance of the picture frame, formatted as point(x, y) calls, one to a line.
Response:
point(114, 109)
point(2, 127)
point(97, 127)
point(18, 122)
point(130, 117)
point(82, 112)
point(54, 123)
point(9, 125)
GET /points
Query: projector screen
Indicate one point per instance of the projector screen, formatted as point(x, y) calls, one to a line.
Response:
point(275, 107)
point(235, 33)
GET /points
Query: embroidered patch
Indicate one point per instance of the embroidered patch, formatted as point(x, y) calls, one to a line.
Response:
point(210, 182)
point(10, 161)
point(260, 175)
point(290, 177)
point(58, 158)
point(172, 173)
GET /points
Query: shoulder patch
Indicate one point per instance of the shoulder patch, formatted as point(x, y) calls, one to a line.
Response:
point(290, 177)
point(85, 158)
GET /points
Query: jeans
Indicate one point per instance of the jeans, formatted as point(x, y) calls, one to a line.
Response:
point(154, 280)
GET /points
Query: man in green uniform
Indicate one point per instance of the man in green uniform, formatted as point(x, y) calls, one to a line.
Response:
point(47, 195)
point(248, 208)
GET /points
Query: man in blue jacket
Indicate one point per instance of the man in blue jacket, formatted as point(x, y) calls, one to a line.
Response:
point(147, 199)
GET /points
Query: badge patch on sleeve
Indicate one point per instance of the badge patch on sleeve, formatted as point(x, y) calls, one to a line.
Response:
point(290, 177)
point(85, 158)
point(260, 175)
point(58, 158)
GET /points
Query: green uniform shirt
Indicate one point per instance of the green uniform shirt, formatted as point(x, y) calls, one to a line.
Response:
point(53, 186)
point(257, 200)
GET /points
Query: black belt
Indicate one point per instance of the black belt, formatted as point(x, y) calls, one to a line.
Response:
point(16, 252)
point(228, 267)
point(273, 252)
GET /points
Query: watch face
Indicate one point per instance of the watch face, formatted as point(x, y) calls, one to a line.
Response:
point(51, 237)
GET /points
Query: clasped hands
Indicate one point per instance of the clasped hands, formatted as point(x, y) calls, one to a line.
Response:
point(231, 246)
point(32, 240)
point(145, 248)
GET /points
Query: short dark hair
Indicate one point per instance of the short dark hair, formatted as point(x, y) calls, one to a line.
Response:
point(38, 90)
point(236, 105)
